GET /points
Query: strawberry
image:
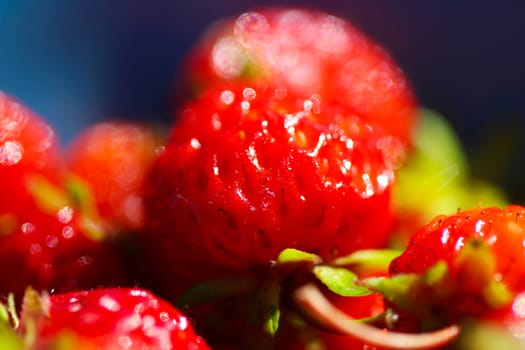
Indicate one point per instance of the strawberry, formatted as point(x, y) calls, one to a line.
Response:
point(106, 318)
point(468, 264)
point(251, 170)
point(113, 158)
point(307, 52)
point(28, 145)
point(47, 241)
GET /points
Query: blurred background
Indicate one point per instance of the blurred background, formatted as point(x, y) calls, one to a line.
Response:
point(78, 62)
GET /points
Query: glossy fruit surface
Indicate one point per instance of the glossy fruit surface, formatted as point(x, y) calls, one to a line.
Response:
point(308, 52)
point(251, 170)
point(483, 254)
point(114, 319)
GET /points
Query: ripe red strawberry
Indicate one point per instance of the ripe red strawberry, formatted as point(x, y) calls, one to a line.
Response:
point(113, 158)
point(307, 52)
point(28, 145)
point(251, 170)
point(108, 319)
point(471, 264)
point(46, 239)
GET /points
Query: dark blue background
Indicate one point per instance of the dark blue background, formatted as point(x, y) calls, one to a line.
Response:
point(75, 62)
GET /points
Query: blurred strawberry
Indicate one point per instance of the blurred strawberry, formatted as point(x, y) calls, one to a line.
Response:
point(113, 159)
point(309, 53)
point(47, 241)
point(28, 146)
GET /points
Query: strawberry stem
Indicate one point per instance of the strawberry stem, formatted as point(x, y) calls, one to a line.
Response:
point(312, 300)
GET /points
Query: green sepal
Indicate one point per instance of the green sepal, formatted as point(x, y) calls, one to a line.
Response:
point(435, 274)
point(9, 322)
point(11, 309)
point(214, 290)
point(497, 295)
point(35, 306)
point(93, 228)
point(265, 309)
point(291, 255)
point(81, 193)
point(368, 260)
point(397, 289)
point(340, 281)
point(411, 291)
point(48, 197)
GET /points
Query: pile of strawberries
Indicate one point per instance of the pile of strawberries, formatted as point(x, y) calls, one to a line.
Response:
point(274, 213)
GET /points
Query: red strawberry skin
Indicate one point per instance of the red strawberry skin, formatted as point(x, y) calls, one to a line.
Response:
point(118, 318)
point(252, 170)
point(113, 157)
point(58, 253)
point(307, 52)
point(502, 231)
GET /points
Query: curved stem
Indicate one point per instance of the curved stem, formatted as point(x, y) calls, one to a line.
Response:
point(312, 300)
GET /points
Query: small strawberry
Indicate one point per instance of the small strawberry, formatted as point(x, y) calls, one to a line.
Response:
point(117, 318)
point(251, 170)
point(113, 158)
point(46, 239)
point(28, 145)
point(468, 264)
point(307, 52)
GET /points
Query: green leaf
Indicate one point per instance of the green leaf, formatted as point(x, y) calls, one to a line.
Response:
point(340, 281)
point(214, 290)
point(436, 273)
point(368, 260)
point(265, 310)
point(290, 255)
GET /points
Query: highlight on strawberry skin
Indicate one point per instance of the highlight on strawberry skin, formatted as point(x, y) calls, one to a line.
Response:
point(308, 52)
point(101, 318)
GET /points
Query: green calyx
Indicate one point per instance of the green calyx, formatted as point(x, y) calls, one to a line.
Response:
point(268, 295)
point(368, 260)
point(414, 293)
point(48, 196)
point(476, 269)
point(265, 310)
